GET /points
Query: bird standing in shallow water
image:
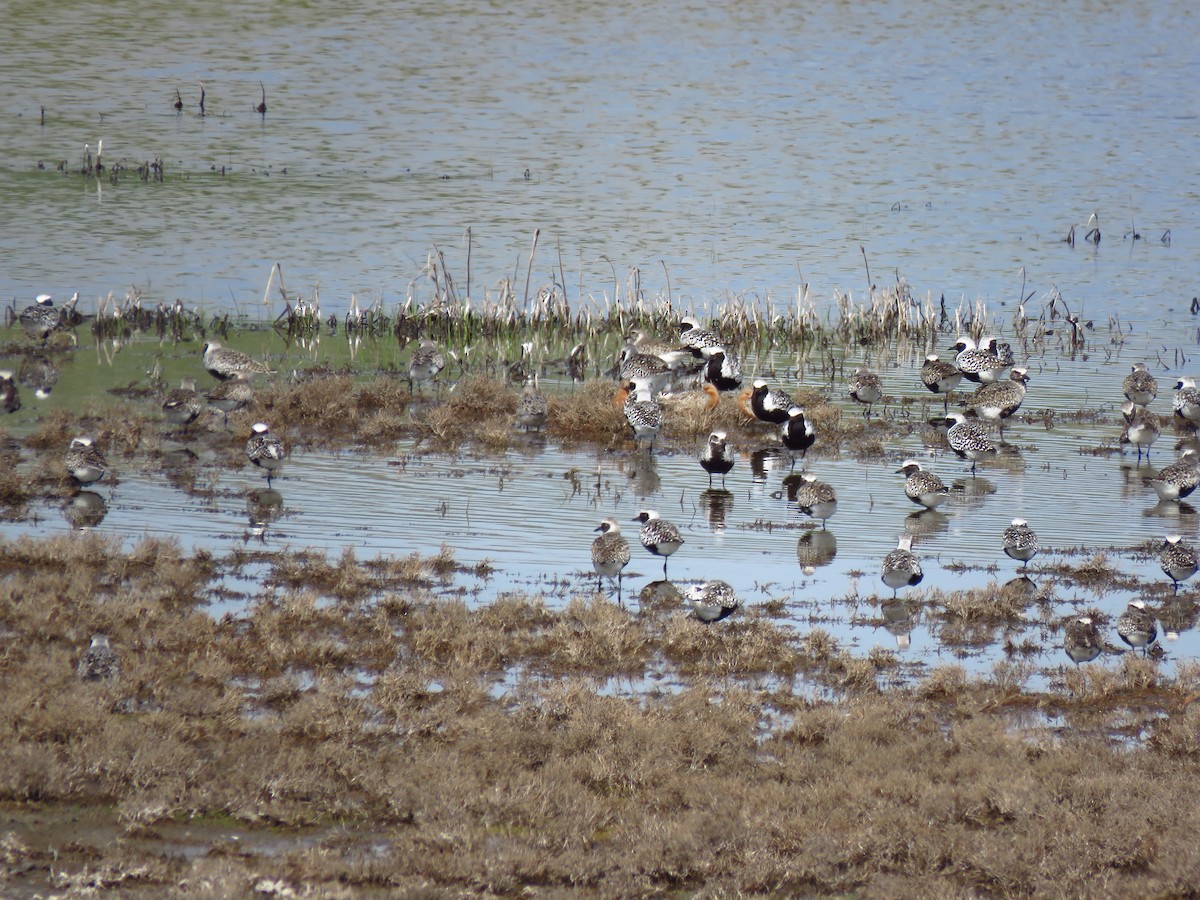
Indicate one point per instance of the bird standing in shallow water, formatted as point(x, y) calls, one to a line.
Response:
point(426, 364)
point(182, 406)
point(940, 377)
point(98, 662)
point(1187, 401)
point(84, 461)
point(224, 363)
point(265, 450)
point(1179, 479)
point(532, 407)
point(1178, 560)
point(658, 535)
point(712, 601)
point(969, 440)
point(610, 554)
point(1142, 428)
point(816, 498)
point(716, 457)
point(1136, 625)
point(921, 487)
point(1082, 640)
point(1020, 542)
point(996, 402)
point(865, 388)
point(976, 364)
point(1140, 387)
point(901, 568)
point(644, 416)
point(797, 433)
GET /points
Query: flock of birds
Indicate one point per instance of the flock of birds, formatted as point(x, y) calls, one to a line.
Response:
point(646, 369)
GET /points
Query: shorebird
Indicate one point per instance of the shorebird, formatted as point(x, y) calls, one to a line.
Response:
point(224, 363)
point(1179, 479)
point(976, 364)
point(940, 377)
point(532, 407)
point(797, 433)
point(1082, 640)
point(1140, 386)
point(865, 388)
point(716, 458)
point(712, 601)
point(723, 370)
point(1020, 542)
point(265, 450)
point(921, 487)
point(648, 372)
point(644, 416)
point(230, 396)
point(704, 340)
point(969, 440)
point(426, 364)
point(98, 662)
point(691, 402)
point(766, 403)
point(638, 341)
point(997, 401)
point(901, 568)
point(10, 397)
point(1178, 560)
point(816, 498)
point(43, 318)
point(183, 405)
point(1136, 625)
point(84, 461)
point(38, 373)
point(1142, 428)
point(610, 554)
point(1187, 400)
point(658, 535)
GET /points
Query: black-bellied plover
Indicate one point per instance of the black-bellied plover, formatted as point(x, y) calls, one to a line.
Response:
point(84, 461)
point(705, 340)
point(658, 535)
point(968, 439)
point(997, 401)
point(723, 370)
point(39, 374)
point(712, 601)
point(1142, 428)
point(532, 407)
point(265, 450)
point(1002, 350)
point(797, 433)
point(1082, 640)
point(1140, 386)
point(815, 498)
point(640, 341)
point(1178, 560)
point(1187, 401)
point(767, 404)
point(224, 363)
point(98, 662)
point(1136, 625)
point(230, 396)
point(922, 487)
point(716, 458)
point(1019, 542)
point(1179, 479)
point(43, 318)
point(901, 568)
point(865, 388)
point(10, 397)
point(610, 554)
point(183, 405)
point(940, 377)
point(648, 372)
point(976, 364)
point(426, 364)
point(644, 416)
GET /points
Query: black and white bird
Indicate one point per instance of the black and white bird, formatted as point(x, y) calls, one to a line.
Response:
point(704, 340)
point(816, 498)
point(644, 416)
point(426, 364)
point(768, 404)
point(224, 363)
point(716, 458)
point(997, 401)
point(1187, 400)
point(1082, 640)
point(532, 407)
point(901, 568)
point(797, 433)
point(84, 461)
point(865, 388)
point(658, 535)
point(1178, 560)
point(265, 450)
point(43, 318)
point(1019, 542)
point(921, 486)
point(641, 341)
point(1140, 386)
point(648, 372)
point(968, 439)
point(723, 370)
point(1179, 479)
point(1136, 626)
point(1142, 428)
point(610, 554)
point(712, 601)
point(10, 397)
point(976, 364)
point(940, 377)
point(183, 405)
point(98, 662)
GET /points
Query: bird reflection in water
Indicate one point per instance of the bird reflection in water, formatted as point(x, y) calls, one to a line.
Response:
point(899, 616)
point(1177, 616)
point(86, 509)
point(926, 523)
point(262, 508)
point(816, 548)
point(661, 595)
point(641, 467)
point(717, 503)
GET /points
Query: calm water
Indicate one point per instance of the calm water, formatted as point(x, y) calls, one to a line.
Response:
point(747, 149)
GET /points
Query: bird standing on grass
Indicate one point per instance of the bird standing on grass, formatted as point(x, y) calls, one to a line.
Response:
point(224, 363)
point(712, 601)
point(866, 388)
point(532, 407)
point(426, 364)
point(182, 406)
point(98, 662)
